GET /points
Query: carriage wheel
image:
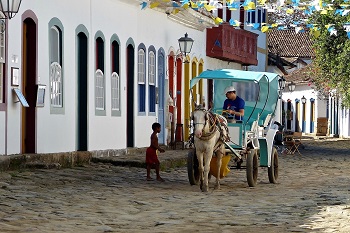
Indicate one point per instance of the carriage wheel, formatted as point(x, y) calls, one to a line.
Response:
point(192, 168)
point(273, 169)
point(252, 168)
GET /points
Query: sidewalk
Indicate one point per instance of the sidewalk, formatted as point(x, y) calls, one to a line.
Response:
point(136, 158)
point(133, 157)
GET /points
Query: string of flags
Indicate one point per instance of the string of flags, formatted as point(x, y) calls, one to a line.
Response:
point(280, 8)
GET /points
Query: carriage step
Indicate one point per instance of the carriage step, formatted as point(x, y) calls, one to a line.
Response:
point(229, 149)
point(235, 167)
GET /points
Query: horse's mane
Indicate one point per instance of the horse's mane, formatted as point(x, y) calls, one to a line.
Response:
point(215, 124)
point(199, 107)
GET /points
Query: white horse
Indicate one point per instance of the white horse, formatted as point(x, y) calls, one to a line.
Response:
point(207, 140)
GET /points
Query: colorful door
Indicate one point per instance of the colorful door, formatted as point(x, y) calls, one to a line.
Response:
point(187, 102)
point(178, 90)
point(161, 97)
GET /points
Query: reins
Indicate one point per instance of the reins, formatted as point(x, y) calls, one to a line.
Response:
point(212, 126)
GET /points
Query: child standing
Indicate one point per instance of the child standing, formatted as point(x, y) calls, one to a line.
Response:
point(151, 153)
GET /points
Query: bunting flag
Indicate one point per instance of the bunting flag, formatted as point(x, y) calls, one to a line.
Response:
point(143, 5)
point(280, 8)
point(154, 4)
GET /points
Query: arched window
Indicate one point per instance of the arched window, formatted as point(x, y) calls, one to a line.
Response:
point(312, 115)
point(115, 92)
point(152, 81)
point(115, 80)
point(56, 66)
point(100, 78)
point(141, 80)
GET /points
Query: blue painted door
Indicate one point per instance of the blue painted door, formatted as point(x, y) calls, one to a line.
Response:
point(161, 89)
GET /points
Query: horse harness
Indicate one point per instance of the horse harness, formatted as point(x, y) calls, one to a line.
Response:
point(214, 125)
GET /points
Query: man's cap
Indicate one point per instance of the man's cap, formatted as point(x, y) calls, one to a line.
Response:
point(229, 89)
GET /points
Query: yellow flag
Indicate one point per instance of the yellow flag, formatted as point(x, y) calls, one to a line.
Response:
point(251, 6)
point(264, 29)
point(209, 8)
point(289, 11)
point(154, 4)
point(218, 20)
point(323, 12)
point(194, 5)
point(175, 11)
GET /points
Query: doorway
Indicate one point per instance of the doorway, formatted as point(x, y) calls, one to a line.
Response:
point(161, 89)
point(29, 68)
point(178, 90)
point(82, 111)
point(130, 69)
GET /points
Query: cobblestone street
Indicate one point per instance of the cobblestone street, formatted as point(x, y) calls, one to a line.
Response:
point(312, 195)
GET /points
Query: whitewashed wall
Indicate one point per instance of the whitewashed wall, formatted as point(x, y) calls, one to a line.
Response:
point(57, 133)
point(308, 93)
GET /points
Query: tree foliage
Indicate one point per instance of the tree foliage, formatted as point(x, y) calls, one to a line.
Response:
point(332, 52)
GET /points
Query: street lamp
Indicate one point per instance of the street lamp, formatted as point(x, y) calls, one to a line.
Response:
point(291, 86)
point(281, 83)
point(9, 8)
point(303, 100)
point(185, 44)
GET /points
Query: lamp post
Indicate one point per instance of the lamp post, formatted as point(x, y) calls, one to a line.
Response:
point(281, 83)
point(291, 86)
point(303, 99)
point(185, 44)
point(281, 86)
point(9, 8)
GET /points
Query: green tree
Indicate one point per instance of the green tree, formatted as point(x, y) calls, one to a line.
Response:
point(331, 66)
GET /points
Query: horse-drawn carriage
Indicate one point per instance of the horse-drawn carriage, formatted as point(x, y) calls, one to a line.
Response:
point(249, 141)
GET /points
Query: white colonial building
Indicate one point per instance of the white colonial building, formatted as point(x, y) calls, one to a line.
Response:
point(303, 108)
point(94, 75)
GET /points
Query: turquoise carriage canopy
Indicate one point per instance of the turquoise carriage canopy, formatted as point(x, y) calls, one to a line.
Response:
point(259, 90)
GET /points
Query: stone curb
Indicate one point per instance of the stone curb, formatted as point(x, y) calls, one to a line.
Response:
point(47, 161)
point(170, 159)
point(134, 157)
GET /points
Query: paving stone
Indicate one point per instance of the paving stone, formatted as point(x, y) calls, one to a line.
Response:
point(312, 195)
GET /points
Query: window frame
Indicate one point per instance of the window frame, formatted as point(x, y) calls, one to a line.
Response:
point(115, 76)
point(141, 79)
point(259, 15)
point(56, 24)
point(100, 81)
point(152, 74)
point(99, 91)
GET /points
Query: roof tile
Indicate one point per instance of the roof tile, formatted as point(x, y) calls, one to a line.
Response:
point(290, 44)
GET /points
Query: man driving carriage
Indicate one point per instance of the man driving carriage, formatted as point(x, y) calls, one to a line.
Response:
point(233, 105)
